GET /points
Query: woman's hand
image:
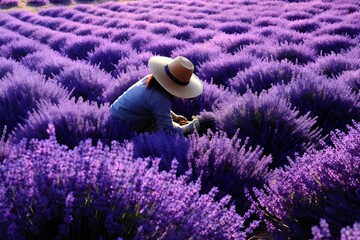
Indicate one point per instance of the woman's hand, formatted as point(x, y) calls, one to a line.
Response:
point(179, 119)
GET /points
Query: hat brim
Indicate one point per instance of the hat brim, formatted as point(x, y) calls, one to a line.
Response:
point(157, 67)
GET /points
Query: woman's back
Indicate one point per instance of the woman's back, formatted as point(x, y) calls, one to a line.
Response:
point(141, 107)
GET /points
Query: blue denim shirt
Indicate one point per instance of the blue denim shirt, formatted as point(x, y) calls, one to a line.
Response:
point(144, 109)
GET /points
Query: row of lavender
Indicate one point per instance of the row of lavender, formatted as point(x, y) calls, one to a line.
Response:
point(79, 66)
point(39, 3)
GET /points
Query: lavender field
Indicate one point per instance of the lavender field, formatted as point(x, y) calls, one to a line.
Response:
point(279, 148)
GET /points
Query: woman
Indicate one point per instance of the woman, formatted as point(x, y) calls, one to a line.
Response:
point(146, 106)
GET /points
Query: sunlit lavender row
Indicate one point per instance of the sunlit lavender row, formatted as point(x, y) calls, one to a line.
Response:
point(280, 77)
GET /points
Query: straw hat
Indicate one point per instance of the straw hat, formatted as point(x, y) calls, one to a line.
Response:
point(176, 76)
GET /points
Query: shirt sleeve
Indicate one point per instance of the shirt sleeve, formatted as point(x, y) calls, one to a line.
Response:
point(161, 108)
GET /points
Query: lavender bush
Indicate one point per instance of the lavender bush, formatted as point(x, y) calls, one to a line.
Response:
point(18, 50)
point(197, 54)
point(223, 67)
point(297, 54)
point(351, 79)
point(47, 63)
point(323, 184)
point(343, 29)
point(38, 2)
point(75, 121)
point(304, 26)
point(332, 104)
point(334, 65)
point(9, 3)
point(80, 49)
point(84, 81)
point(269, 122)
point(6, 67)
point(327, 44)
point(21, 92)
point(107, 56)
point(228, 164)
point(105, 191)
point(263, 76)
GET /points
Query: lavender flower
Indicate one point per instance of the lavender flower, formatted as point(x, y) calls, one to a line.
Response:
point(80, 49)
point(108, 56)
point(225, 66)
point(333, 65)
point(342, 29)
point(327, 44)
point(228, 164)
point(18, 50)
point(304, 26)
point(269, 122)
point(351, 233)
point(297, 54)
point(321, 232)
point(296, 15)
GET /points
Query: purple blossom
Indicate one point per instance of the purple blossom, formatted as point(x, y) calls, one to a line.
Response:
point(7, 66)
point(234, 27)
point(351, 233)
point(38, 2)
point(321, 232)
point(343, 29)
point(296, 15)
point(295, 53)
point(165, 47)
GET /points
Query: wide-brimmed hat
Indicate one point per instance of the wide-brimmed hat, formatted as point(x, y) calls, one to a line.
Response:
point(176, 76)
